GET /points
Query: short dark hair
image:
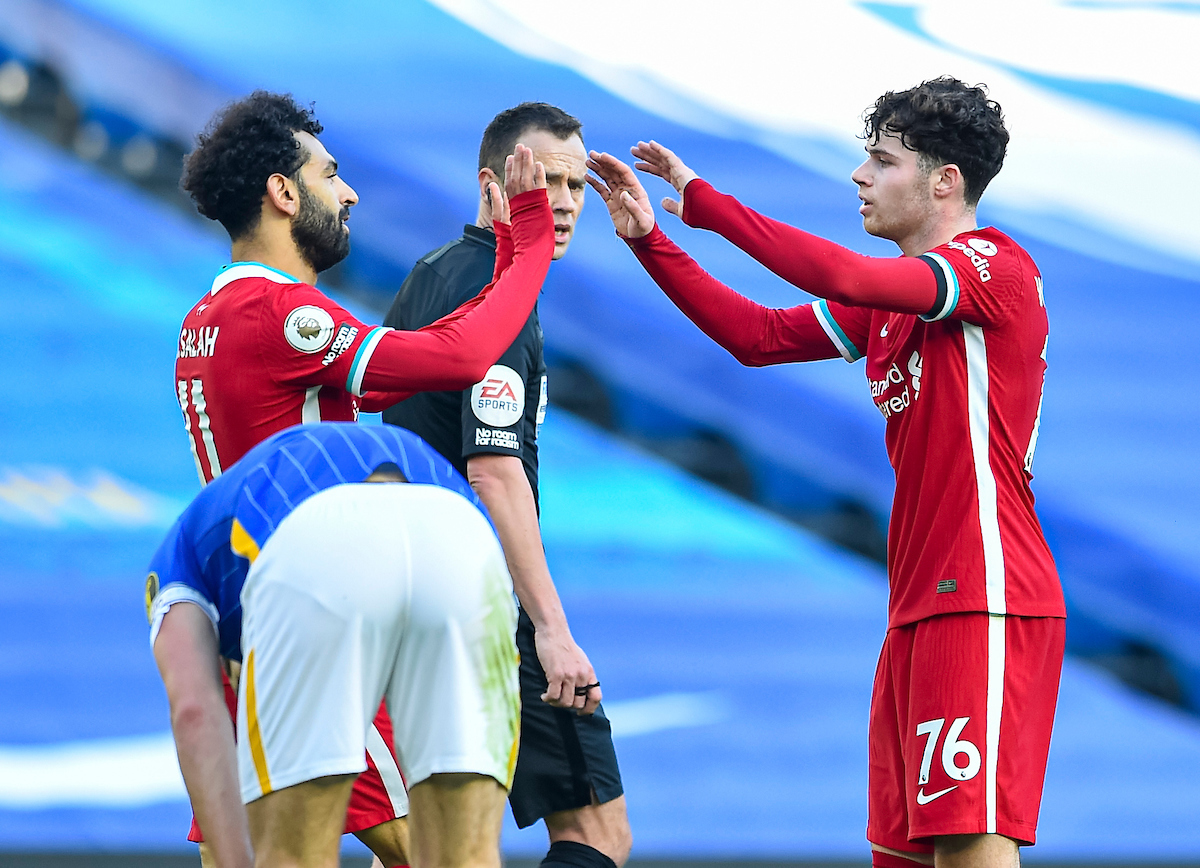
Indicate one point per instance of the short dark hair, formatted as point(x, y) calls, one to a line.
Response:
point(506, 128)
point(244, 144)
point(946, 121)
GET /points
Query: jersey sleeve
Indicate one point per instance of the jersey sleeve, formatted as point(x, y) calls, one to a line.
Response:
point(816, 265)
point(309, 340)
point(753, 334)
point(175, 577)
point(846, 327)
point(493, 410)
point(980, 279)
point(457, 349)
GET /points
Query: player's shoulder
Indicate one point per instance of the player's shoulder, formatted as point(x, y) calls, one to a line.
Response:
point(238, 279)
point(985, 254)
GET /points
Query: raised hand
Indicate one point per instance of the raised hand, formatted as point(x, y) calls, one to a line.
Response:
point(521, 174)
point(628, 205)
point(657, 160)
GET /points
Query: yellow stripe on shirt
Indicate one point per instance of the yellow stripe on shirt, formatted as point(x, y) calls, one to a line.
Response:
point(241, 542)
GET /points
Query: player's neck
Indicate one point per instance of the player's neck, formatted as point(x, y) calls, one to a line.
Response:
point(280, 255)
point(937, 232)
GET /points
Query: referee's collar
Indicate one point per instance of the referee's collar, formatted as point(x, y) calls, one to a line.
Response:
point(480, 235)
point(241, 270)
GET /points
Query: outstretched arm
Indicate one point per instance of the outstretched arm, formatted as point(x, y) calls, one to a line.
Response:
point(456, 351)
point(828, 270)
point(753, 334)
point(186, 652)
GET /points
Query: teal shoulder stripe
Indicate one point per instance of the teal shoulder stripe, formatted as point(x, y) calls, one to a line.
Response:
point(358, 366)
point(844, 345)
point(952, 288)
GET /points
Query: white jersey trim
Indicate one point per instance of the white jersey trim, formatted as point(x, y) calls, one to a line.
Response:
point(834, 332)
point(311, 411)
point(1037, 420)
point(242, 270)
point(389, 772)
point(985, 481)
point(358, 368)
point(179, 593)
point(995, 712)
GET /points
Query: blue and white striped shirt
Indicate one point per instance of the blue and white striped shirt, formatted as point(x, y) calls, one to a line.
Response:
point(207, 553)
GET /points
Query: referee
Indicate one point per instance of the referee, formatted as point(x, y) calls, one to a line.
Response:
point(566, 771)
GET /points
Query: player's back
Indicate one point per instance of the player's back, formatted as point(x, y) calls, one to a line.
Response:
point(206, 555)
point(261, 352)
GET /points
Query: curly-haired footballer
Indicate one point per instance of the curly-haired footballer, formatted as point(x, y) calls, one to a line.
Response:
point(954, 334)
point(264, 349)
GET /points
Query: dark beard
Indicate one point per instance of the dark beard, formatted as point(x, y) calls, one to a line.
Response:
point(319, 234)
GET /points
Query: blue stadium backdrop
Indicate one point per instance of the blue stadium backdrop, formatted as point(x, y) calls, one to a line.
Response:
point(736, 650)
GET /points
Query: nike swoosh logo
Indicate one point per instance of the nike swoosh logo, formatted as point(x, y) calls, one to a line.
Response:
point(923, 799)
point(883, 331)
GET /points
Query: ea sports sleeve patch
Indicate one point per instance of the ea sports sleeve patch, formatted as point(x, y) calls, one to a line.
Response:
point(498, 404)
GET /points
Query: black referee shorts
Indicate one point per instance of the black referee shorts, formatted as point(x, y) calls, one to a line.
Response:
point(564, 756)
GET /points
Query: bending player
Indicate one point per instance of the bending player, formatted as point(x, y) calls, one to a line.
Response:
point(340, 595)
point(954, 333)
point(264, 349)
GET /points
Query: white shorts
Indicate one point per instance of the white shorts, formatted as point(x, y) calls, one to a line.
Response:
point(370, 591)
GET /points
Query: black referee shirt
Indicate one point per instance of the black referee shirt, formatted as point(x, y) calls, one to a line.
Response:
point(499, 415)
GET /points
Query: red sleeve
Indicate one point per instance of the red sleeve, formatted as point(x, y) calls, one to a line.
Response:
point(504, 248)
point(982, 277)
point(828, 270)
point(456, 351)
point(377, 402)
point(753, 334)
point(307, 339)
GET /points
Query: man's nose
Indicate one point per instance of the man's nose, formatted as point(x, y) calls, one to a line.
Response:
point(561, 198)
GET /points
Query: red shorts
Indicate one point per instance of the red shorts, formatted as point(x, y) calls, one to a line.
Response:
point(960, 728)
point(379, 793)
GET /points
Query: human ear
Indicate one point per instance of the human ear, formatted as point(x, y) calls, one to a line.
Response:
point(487, 177)
point(947, 180)
point(281, 194)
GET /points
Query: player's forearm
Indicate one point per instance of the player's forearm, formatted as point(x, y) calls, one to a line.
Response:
point(502, 485)
point(456, 351)
point(185, 650)
point(504, 249)
point(814, 264)
point(207, 758)
point(753, 334)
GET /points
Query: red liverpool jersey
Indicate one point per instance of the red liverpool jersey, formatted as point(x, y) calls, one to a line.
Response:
point(960, 387)
point(261, 352)
point(961, 390)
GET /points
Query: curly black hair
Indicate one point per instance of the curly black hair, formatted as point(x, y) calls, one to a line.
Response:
point(506, 128)
point(243, 145)
point(945, 121)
